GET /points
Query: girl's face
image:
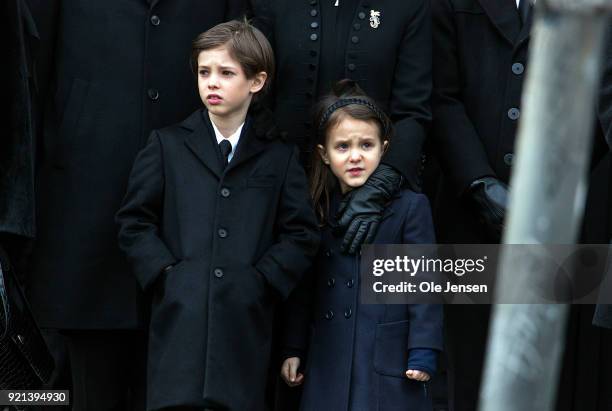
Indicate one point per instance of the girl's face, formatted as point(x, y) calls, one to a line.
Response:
point(352, 151)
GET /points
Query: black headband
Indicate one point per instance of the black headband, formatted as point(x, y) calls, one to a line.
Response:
point(353, 100)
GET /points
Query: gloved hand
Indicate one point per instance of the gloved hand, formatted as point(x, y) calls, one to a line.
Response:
point(361, 210)
point(490, 197)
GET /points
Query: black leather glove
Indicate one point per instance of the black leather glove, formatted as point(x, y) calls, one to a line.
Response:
point(361, 210)
point(490, 197)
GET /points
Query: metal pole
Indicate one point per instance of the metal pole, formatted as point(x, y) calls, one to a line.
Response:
point(548, 190)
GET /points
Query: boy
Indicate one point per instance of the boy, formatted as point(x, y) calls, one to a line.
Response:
point(218, 226)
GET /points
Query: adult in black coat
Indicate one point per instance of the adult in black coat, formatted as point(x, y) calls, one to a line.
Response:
point(479, 63)
point(120, 69)
point(480, 52)
point(385, 46)
point(239, 239)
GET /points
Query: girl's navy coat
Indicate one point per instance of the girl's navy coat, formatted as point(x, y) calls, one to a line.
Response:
point(239, 239)
point(358, 354)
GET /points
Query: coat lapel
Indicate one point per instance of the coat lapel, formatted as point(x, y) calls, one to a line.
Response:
point(249, 145)
point(504, 16)
point(202, 143)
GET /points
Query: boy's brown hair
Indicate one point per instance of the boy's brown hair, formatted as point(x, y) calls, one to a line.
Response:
point(244, 42)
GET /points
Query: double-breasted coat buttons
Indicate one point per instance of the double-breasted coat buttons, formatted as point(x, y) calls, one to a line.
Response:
point(225, 192)
point(348, 312)
point(155, 20)
point(508, 159)
point(514, 113)
point(222, 232)
point(331, 282)
point(218, 272)
point(329, 315)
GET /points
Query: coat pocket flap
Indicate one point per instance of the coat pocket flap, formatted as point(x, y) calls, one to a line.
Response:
point(390, 348)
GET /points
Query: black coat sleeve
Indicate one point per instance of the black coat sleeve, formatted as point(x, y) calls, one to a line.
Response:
point(140, 214)
point(460, 149)
point(409, 105)
point(285, 262)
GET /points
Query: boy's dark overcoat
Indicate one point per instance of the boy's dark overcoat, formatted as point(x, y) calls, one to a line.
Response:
point(239, 241)
point(121, 68)
point(391, 63)
point(358, 353)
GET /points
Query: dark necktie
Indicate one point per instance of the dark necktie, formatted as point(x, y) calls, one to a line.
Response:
point(524, 9)
point(226, 149)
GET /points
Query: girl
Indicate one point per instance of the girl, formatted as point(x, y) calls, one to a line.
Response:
point(386, 46)
point(360, 357)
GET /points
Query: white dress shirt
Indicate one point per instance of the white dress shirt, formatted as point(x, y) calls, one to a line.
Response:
point(233, 139)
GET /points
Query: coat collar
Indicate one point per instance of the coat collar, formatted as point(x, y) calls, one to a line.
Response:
point(504, 16)
point(202, 142)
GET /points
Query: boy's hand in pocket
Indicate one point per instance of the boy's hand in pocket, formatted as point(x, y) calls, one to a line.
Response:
point(418, 375)
point(289, 372)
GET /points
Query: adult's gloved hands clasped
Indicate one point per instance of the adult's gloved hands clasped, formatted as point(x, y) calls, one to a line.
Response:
point(360, 211)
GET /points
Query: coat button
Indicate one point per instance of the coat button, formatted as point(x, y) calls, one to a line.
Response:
point(222, 232)
point(314, 37)
point(331, 282)
point(218, 272)
point(355, 39)
point(509, 159)
point(356, 26)
point(225, 192)
point(329, 315)
point(314, 25)
point(313, 12)
point(351, 67)
point(514, 114)
point(153, 94)
point(348, 312)
point(155, 20)
point(518, 68)
point(328, 253)
point(350, 283)
point(361, 15)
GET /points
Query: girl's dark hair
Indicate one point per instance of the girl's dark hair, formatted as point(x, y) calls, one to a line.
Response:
point(345, 99)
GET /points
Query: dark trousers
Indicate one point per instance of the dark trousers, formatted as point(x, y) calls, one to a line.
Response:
point(108, 369)
point(466, 329)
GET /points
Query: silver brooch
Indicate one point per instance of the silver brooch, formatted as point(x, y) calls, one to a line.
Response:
point(374, 19)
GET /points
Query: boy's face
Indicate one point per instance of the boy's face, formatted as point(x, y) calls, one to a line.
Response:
point(223, 86)
point(352, 151)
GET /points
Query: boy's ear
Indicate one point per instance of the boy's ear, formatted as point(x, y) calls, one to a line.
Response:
point(323, 153)
point(258, 82)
